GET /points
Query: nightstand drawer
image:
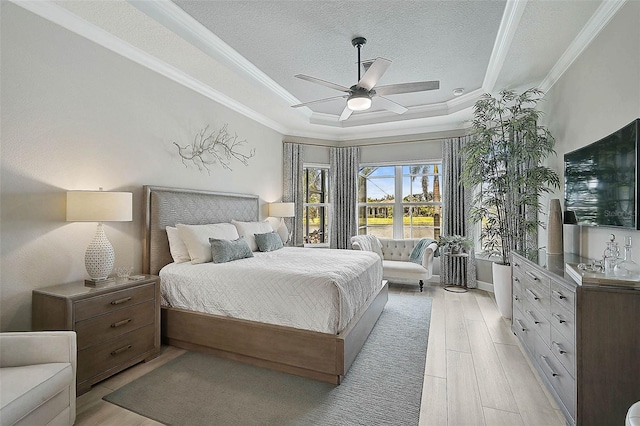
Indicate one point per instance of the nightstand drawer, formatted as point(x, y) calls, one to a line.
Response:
point(105, 327)
point(101, 358)
point(95, 306)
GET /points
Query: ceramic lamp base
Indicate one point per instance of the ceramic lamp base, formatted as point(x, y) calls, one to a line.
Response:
point(99, 257)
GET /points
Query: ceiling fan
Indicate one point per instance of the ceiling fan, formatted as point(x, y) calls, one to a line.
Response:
point(359, 95)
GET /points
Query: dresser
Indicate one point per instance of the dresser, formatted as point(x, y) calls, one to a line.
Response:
point(584, 340)
point(117, 324)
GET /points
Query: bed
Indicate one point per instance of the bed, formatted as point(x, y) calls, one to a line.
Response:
point(320, 353)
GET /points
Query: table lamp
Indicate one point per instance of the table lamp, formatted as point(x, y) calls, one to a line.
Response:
point(99, 206)
point(282, 210)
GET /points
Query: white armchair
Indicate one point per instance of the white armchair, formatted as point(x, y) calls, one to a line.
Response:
point(395, 255)
point(38, 378)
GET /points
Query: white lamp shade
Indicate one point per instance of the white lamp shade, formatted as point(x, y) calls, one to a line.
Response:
point(282, 209)
point(99, 206)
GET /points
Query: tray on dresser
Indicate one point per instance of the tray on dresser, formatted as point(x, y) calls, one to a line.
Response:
point(597, 278)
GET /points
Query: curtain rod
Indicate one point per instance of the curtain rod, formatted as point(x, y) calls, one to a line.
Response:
point(312, 143)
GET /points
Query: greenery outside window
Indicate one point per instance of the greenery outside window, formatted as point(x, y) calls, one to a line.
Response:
point(412, 189)
point(315, 217)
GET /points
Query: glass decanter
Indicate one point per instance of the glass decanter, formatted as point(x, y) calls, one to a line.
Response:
point(627, 268)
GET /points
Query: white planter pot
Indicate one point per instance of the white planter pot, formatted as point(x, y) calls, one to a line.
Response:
point(502, 288)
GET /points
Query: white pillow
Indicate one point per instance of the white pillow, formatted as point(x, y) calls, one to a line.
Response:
point(178, 249)
point(196, 238)
point(248, 229)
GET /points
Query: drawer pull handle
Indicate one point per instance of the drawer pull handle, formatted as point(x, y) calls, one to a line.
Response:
point(516, 264)
point(533, 317)
point(516, 279)
point(515, 297)
point(560, 295)
point(559, 318)
point(533, 276)
point(535, 296)
point(544, 360)
point(119, 323)
point(119, 301)
point(559, 348)
point(122, 349)
point(521, 325)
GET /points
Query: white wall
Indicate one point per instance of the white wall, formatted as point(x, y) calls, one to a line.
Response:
point(77, 116)
point(597, 95)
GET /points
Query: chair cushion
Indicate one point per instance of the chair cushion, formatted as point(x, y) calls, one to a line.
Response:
point(23, 389)
point(401, 270)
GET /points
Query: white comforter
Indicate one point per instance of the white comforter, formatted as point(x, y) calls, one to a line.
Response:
point(312, 289)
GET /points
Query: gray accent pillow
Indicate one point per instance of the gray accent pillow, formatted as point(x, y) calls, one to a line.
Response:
point(268, 242)
point(227, 250)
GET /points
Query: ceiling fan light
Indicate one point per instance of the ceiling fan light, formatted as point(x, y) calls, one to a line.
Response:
point(359, 102)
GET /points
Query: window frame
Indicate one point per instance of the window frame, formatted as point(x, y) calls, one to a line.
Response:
point(398, 227)
point(325, 204)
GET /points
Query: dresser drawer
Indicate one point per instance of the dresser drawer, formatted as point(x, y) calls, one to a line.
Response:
point(564, 350)
point(523, 330)
point(559, 378)
point(564, 321)
point(105, 327)
point(537, 292)
point(563, 296)
point(101, 358)
point(99, 305)
point(538, 322)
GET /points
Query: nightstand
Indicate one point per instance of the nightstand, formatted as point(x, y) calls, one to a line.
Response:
point(117, 324)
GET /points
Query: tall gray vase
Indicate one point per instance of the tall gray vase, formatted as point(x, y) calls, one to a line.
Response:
point(554, 228)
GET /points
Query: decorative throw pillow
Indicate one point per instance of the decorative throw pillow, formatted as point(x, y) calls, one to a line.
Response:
point(178, 249)
point(196, 238)
point(268, 242)
point(223, 251)
point(248, 229)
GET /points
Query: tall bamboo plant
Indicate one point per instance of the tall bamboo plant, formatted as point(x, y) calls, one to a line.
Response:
point(503, 161)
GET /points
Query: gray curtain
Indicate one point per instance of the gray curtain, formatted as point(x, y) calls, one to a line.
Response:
point(456, 206)
point(343, 196)
point(292, 190)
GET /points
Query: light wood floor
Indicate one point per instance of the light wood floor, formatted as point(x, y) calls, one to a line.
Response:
point(475, 371)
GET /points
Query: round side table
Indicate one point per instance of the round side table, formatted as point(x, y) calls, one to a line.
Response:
point(452, 287)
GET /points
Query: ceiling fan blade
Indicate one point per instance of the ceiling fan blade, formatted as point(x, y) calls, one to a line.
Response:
point(420, 86)
point(388, 104)
point(322, 82)
point(346, 113)
point(319, 101)
point(374, 73)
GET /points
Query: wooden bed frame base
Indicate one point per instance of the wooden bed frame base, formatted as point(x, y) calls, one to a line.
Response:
point(319, 356)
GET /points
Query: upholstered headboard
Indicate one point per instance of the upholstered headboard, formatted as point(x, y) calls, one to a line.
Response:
point(168, 206)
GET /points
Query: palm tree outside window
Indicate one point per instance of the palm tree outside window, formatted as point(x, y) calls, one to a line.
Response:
point(412, 189)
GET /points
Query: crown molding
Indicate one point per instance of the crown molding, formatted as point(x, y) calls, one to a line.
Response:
point(170, 15)
point(513, 11)
point(589, 32)
point(416, 112)
point(72, 22)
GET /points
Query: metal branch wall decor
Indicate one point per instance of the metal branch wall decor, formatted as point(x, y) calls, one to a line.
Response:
point(216, 147)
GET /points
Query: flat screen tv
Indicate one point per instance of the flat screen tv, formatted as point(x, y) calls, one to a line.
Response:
point(601, 180)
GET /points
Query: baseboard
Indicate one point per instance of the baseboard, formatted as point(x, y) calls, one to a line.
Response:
point(483, 285)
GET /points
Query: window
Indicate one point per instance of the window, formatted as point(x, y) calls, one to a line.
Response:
point(316, 204)
point(413, 190)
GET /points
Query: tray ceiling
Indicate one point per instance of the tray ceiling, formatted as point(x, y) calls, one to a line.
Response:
point(245, 53)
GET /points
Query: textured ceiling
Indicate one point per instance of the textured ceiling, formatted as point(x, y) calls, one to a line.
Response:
point(425, 40)
point(244, 54)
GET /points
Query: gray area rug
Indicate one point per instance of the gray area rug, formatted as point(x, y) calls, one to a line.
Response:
point(382, 387)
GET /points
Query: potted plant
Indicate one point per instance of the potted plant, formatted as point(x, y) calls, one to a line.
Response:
point(504, 161)
point(455, 243)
